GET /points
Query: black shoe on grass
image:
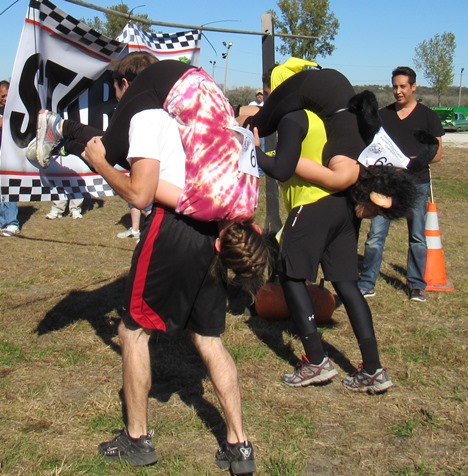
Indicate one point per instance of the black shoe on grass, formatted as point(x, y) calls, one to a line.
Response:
point(239, 458)
point(137, 452)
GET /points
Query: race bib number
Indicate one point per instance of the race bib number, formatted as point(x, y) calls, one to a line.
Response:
point(383, 151)
point(247, 156)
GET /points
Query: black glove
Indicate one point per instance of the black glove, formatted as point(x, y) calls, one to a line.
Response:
point(427, 154)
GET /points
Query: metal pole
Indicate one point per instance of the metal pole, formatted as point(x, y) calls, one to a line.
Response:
point(147, 21)
point(226, 57)
point(459, 92)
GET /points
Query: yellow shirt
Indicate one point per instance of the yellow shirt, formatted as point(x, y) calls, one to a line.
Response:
point(296, 191)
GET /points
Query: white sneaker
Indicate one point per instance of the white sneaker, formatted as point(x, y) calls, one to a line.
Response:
point(76, 214)
point(47, 136)
point(52, 215)
point(11, 230)
point(129, 234)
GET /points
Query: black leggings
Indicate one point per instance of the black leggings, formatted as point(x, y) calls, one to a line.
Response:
point(301, 308)
point(76, 136)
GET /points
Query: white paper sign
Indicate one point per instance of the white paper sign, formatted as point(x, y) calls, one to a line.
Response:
point(383, 151)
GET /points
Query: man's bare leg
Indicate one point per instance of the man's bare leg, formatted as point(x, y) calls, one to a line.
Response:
point(236, 453)
point(136, 375)
point(223, 373)
point(133, 444)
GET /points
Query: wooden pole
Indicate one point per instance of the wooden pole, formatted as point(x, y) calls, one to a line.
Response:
point(272, 220)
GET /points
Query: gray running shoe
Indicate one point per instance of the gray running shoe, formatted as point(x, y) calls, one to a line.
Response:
point(239, 458)
point(138, 452)
point(31, 151)
point(47, 136)
point(361, 381)
point(308, 374)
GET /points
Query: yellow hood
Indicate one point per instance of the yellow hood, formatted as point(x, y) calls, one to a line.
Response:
point(284, 71)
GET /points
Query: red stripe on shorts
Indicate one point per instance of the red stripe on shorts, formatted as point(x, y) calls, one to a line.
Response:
point(139, 309)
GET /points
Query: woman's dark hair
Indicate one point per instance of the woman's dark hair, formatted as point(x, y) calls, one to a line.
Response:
point(390, 181)
point(246, 253)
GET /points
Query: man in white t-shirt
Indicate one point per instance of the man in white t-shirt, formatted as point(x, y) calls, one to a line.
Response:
point(258, 99)
point(169, 288)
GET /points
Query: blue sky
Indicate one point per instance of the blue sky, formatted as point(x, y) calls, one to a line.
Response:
point(374, 36)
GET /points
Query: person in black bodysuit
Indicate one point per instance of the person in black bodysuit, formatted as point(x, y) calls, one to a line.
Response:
point(323, 232)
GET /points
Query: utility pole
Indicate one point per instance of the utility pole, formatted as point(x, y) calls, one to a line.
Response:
point(272, 219)
point(459, 92)
point(226, 57)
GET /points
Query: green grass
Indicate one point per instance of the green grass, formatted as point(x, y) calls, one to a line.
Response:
point(60, 363)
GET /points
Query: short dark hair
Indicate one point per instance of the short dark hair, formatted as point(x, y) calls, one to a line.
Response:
point(405, 71)
point(131, 65)
point(5, 84)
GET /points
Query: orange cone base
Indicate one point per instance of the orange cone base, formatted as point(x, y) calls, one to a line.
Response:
point(441, 288)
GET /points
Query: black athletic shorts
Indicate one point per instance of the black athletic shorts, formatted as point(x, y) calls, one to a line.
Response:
point(170, 286)
point(320, 233)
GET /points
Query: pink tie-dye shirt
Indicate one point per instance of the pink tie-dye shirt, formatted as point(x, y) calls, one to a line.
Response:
point(214, 189)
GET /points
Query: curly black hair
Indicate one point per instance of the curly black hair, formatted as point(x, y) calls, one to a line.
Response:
point(390, 181)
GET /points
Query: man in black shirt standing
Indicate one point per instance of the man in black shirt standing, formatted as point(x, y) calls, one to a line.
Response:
point(400, 119)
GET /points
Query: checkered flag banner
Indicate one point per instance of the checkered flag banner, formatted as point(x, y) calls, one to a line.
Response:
point(62, 65)
point(182, 46)
point(72, 30)
point(31, 188)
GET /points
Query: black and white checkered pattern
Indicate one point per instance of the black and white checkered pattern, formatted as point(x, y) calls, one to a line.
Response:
point(73, 30)
point(159, 42)
point(31, 189)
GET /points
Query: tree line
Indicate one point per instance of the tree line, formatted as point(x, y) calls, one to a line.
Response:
point(313, 18)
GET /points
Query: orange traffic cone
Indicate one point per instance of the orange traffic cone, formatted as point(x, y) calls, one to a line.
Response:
point(435, 275)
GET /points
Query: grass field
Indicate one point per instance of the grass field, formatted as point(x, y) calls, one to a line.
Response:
point(60, 290)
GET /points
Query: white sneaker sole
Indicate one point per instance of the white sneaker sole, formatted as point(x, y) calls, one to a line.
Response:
point(41, 134)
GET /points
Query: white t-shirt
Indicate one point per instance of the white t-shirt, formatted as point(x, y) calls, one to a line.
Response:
point(153, 134)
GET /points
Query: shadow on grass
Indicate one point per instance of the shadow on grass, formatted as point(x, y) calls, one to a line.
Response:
point(270, 332)
point(176, 366)
point(25, 213)
point(398, 284)
point(178, 369)
point(93, 306)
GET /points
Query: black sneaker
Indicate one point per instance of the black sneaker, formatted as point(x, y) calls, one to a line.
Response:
point(138, 452)
point(417, 295)
point(239, 458)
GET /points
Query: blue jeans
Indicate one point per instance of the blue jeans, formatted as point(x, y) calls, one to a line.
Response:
point(8, 214)
point(417, 248)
